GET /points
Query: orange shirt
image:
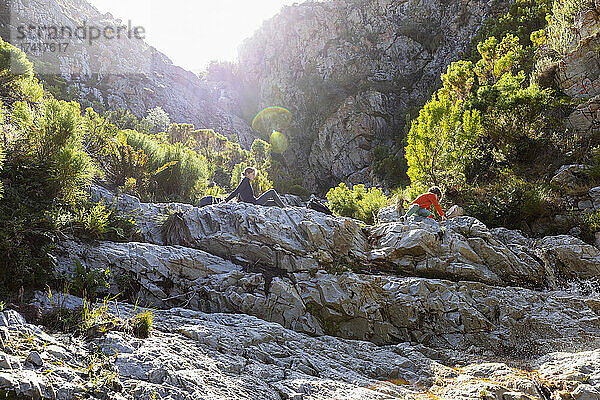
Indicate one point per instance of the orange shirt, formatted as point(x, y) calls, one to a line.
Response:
point(426, 200)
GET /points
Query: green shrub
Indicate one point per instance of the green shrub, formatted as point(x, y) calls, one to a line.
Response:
point(261, 151)
point(99, 135)
point(97, 222)
point(141, 324)
point(56, 141)
point(179, 133)
point(523, 18)
point(358, 203)
point(89, 283)
point(590, 226)
point(72, 172)
point(122, 119)
point(371, 201)
point(441, 142)
point(510, 203)
point(178, 172)
point(14, 65)
point(93, 222)
point(343, 201)
point(26, 224)
point(125, 162)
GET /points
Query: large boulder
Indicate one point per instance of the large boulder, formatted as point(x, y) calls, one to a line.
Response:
point(146, 271)
point(569, 257)
point(297, 239)
point(291, 239)
point(461, 249)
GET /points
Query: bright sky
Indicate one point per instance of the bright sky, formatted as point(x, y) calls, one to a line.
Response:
point(194, 32)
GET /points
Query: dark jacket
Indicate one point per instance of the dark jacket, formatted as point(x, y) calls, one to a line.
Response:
point(244, 192)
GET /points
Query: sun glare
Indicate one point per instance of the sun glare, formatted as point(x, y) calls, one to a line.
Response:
point(194, 32)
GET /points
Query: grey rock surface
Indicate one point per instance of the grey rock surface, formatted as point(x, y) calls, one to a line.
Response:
point(381, 309)
point(570, 257)
point(297, 239)
point(194, 355)
point(388, 214)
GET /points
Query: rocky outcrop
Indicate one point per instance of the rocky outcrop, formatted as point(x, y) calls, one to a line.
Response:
point(297, 239)
point(578, 72)
point(454, 285)
point(578, 202)
point(194, 355)
point(350, 71)
point(381, 309)
point(570, 257)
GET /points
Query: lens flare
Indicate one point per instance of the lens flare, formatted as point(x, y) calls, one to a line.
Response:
point(279, 142)
point(272, 119)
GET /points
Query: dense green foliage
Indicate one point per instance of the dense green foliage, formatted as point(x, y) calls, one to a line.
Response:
point(358, 202)
point(489, 135)
point(45, 173)
point(441, 142)
point(14, 66)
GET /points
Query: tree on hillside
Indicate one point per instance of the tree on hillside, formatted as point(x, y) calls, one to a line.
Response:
point(156, 121)
point(441, 142)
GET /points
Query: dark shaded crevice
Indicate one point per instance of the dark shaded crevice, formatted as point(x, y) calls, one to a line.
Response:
point(268, 273)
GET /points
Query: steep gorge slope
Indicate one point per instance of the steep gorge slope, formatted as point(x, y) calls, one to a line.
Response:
point(126, 74)
point(351, 72)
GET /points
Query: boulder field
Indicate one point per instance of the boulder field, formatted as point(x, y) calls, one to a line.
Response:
point(287, 303)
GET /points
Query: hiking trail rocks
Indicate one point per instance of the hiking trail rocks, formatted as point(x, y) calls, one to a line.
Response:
point(195, 355)
point(457, 285)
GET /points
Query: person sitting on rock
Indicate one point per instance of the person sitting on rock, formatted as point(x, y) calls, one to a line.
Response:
point(245, 193)
point(423, 203)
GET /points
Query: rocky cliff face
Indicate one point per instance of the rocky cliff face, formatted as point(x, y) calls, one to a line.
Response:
point(351, 71)
point(124, 73)
point(578, 74)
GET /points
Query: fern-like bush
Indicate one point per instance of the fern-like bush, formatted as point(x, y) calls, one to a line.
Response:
point(358, 202)
point(54, 138)
point(177, 172)
point(98, 222)
point(14, 66)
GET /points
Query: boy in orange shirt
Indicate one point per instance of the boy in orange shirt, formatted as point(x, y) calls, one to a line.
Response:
point(424, 202)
